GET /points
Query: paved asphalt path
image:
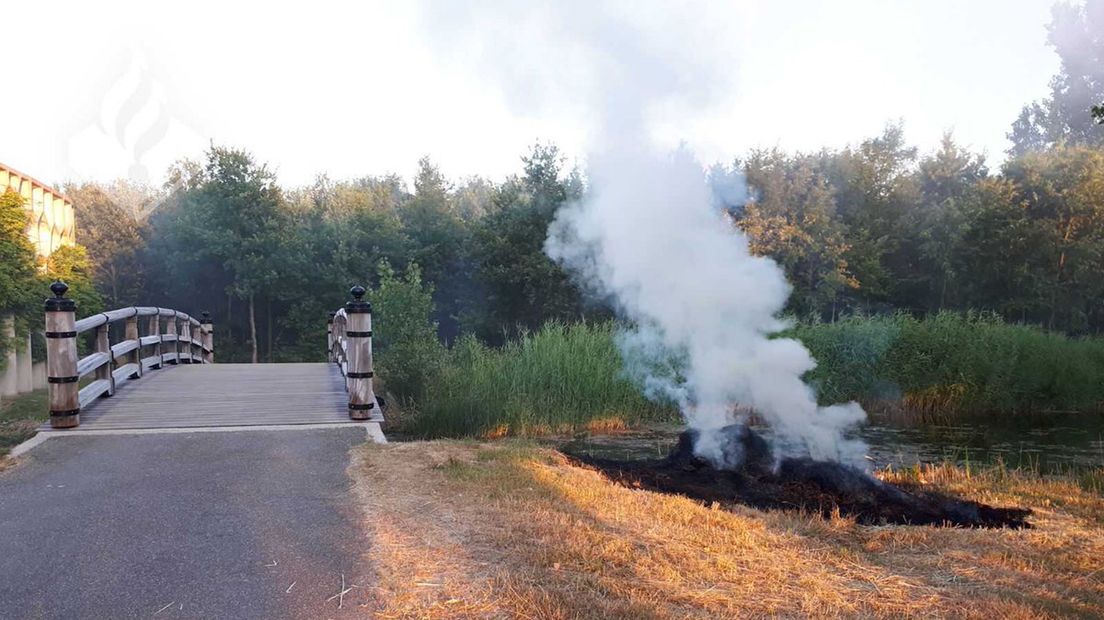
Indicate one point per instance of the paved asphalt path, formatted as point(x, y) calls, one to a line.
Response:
point(220, 525)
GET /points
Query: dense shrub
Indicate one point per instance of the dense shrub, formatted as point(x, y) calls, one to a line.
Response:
point(410, 354)
point(953, 364)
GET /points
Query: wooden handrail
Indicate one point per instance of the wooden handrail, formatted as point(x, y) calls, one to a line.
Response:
point(189, 341)
point(349, 345)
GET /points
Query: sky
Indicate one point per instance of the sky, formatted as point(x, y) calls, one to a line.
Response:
point(105, 90)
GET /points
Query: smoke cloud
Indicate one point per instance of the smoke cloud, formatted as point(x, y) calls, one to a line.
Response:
point(702, 309)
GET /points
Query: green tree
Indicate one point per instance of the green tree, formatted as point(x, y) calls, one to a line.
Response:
point(342, 232)
point(876, 191)
point(474, 198)
point(114, 238)
point(73, 265)
point(1062, 193)
point(229, 229)
point(438, 238)
point(522, 287)
point(20, 295)
point(791, 218)
point(950, 172)
point(948, 179)
point(1076, 33)
point(409, 353)
point(997, 254)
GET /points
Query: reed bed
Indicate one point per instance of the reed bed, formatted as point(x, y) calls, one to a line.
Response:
point(951, 365)
point(558, 379)
point(937, 369)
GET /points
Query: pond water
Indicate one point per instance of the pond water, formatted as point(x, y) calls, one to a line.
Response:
point(1049, 445)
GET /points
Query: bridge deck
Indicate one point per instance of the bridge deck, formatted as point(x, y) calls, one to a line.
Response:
point(204, 395)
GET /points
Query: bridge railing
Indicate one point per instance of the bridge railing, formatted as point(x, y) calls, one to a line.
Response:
point(349, 342)
point(183, 340)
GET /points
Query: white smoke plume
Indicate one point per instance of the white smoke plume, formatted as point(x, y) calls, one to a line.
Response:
point(702, 308)
point(648, 236)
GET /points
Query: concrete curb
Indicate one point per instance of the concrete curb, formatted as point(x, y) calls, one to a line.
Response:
point(372, 429)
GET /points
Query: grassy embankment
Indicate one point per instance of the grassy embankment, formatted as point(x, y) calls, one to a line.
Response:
point(508, 529)
point(19, 417)
point(943, 367)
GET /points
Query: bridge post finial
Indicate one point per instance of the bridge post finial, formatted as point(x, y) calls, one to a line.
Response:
point(61, 358)
point(358, 374)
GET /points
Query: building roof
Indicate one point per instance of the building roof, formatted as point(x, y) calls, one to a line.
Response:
point(34, 181)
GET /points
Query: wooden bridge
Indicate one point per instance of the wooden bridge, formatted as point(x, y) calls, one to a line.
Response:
point(153, 368)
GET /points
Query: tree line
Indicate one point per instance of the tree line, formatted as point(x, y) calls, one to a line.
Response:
point(872, 228)
point(875, 227)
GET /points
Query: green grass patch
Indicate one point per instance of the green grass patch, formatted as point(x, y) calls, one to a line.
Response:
point(20, 417)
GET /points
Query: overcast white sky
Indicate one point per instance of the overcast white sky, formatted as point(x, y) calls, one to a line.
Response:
point(99, 90)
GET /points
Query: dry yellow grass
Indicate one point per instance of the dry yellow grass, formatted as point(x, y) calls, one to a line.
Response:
point(507, 529)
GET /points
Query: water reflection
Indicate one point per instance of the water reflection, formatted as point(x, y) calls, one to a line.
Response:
point(1023, 442)
point(1071, 443)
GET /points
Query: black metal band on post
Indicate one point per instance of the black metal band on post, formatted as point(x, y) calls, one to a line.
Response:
point(59, 414)
point(364, 407)
point(358, 334)
point(62, 379)
point(360, 375)
point(60, 334)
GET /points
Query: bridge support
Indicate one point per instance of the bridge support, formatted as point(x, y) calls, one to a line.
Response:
point(61, 358)
point(103, 346)
point(173, 355)
point(153, 328)
point(358, 375)
point(135, 356)
point(330, 337)
point(207, 335)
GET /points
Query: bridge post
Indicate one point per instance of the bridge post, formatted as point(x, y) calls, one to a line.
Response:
point(61, 358)
point(103, 345)
point(189, 346)
point(208, 338)
point(358, 375)
point(134, 357)
point(174, 347)
point(153, 326)
point(330, 337)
